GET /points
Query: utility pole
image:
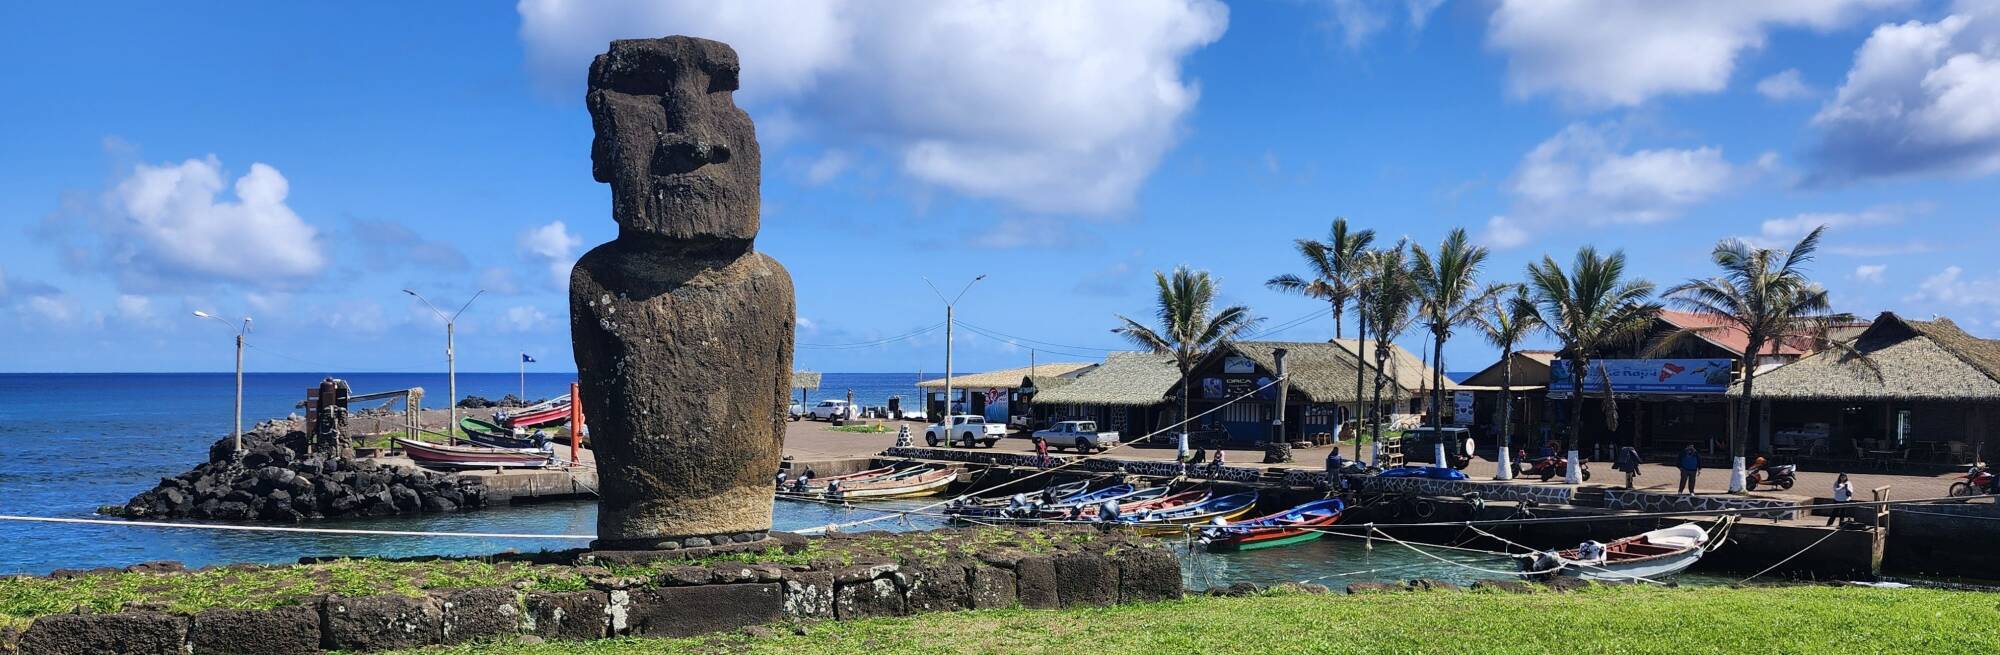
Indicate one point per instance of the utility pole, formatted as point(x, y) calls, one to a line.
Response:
point(238, 453)
point(451, 357)
point(949, 321)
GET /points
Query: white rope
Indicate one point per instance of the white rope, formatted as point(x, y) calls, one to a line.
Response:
point(1425, 553)
point(1584, 564)
point(273, 528)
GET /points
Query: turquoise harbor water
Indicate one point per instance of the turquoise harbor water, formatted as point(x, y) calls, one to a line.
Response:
point(75, 442)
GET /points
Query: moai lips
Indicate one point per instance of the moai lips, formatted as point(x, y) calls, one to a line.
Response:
point(683, 333)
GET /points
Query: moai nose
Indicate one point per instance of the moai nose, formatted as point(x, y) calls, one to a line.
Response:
point(681, 155)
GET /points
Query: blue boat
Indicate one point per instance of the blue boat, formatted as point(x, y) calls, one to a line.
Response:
point(1291, 526)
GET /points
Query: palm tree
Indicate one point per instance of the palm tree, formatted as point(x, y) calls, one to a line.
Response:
point(1508, 318)
point(1589, 309)
point(1391, 292)
point(1764, 294)
point(1188, 329)
point(1334, 268)
point(1449, 296)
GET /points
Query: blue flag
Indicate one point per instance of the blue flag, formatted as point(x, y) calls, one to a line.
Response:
point(525, 359)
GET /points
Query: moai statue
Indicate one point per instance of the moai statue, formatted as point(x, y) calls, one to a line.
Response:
point(683, 333)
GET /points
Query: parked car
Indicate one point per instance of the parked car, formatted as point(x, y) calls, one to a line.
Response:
point(1081, 435)
point(795, 411)
point(1419, 445)
point(968, 429)
point(828, 410)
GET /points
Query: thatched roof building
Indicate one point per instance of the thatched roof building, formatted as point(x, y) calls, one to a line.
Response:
point(1009, 378)
point(1132, 379)
point(1406, 370)
point(1894, 359)
point(1323, 371)
point(1531, 372)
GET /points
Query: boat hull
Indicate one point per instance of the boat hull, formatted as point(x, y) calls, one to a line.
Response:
point(463, 457)
point(1653, 569)
point(1262, 542)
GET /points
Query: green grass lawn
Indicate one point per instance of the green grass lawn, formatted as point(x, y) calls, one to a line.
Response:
point(1603, 620)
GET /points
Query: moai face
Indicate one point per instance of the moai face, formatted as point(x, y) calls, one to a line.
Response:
point(680, 157)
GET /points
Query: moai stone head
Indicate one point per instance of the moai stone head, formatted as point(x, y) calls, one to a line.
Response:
point(680, 157)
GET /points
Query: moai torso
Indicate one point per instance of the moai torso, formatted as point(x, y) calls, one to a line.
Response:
point(683, 333)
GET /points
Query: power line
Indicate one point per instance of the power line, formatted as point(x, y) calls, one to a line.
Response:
point(877, 342)
point(1036, 341)
point(1046, 349)
point(1287, 325)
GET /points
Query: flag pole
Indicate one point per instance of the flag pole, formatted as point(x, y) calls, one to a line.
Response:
point(524, 377)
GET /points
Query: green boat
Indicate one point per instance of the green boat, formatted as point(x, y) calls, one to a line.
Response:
point(1295, 525)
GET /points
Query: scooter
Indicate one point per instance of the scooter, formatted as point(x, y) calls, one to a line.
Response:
point(1547, 468)
point(1781, 477)
point(1978, 480)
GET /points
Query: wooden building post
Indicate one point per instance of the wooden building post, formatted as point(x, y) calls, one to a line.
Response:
point(575, 422)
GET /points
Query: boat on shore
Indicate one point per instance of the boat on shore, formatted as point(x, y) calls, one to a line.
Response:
point(1295, 525)
point(488, 434)
point(554, 411)
point(1646, 556)
point(441, 456)
point(1000, 507)
point(913, 483)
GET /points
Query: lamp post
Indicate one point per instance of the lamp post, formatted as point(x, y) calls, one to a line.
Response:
point(450, 355)
point(240, 332)
point(949, 306)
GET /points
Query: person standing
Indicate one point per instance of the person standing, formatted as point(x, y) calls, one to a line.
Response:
point(1041, 452)
point(1690, 465)
point(1628, 461)
point(1843, 491)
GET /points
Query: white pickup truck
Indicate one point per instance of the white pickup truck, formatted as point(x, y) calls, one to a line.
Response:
point(1082, 435)
point(968, 429)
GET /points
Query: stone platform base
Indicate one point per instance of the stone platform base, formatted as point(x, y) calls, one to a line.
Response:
point(623, 553)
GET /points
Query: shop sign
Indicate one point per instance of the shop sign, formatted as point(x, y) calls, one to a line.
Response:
point(1645, 376)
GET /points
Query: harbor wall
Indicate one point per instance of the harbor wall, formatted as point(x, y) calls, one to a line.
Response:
point(863, 575)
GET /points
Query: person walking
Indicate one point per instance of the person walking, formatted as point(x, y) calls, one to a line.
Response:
point(1041, 452)
point(1843, 491)
point(1690, 465)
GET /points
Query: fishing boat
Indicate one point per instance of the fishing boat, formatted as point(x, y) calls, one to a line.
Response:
point(818, 486)
point(999, 506)
point(918, 482)
point(1291, 526)
point(441, 456)
point(1152, 498)
point(1648, 556)
point(554, 411)
point(1075, 506)
point(1173, 521)
point(488, 434)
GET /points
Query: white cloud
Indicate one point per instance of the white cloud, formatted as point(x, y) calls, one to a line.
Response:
point(1949, 287)
point(524, 318)
point(1920, 97)
point(1784, 85)
point(357, 316)
point(268, 303)
point(134, 308)
point(553, 246)
point(807, 325)
point(1056, 107)
point(1623, 52)
point(829, 165)
point(1503, 233)
point(1871, 273)
point(499, 279)
point(172, 221)
point(1882, 248)
point(54, 308)
point(3, 281)
point(1783, 232)
point(1580, 174)
point(1420, 11)
point(1358, 20)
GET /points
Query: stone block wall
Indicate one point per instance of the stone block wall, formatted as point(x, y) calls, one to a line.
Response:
point(681, 600)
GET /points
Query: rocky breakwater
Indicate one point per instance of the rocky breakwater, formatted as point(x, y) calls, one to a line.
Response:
point(275, 480)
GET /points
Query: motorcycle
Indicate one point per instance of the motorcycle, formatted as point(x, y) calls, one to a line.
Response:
point(1781, 477)
point(1547, 468)
point(1978, 481)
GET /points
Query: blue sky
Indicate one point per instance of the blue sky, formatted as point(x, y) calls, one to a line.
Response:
point(303, 163)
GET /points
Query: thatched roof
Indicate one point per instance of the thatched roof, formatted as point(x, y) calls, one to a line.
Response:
point(1912, 360)
point(1323, 371)
point(1531, 369)
point(1008, 378)
point(1125, 378)
point(1406, 369)
point(805, 379)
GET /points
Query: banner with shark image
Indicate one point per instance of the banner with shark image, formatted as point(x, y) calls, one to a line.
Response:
point(1646, 376)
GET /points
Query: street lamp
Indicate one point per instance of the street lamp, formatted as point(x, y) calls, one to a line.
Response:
point(450, 355)
point(239, 374)
point(949, 305)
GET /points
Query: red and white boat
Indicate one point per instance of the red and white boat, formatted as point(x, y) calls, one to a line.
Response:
point(432, 455)
point(554, 411)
